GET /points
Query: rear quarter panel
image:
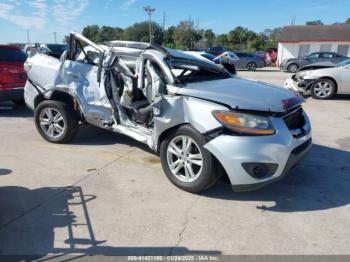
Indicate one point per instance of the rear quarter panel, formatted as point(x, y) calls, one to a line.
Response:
point(45, 70)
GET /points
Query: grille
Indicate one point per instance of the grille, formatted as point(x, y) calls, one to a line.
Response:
point(295, 120)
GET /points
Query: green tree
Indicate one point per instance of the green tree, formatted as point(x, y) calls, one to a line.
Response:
point(140, 32)
point(314, 22)
point(185, 35)
point(210, 36)
point(272, 37)
point(168, 37)
point(347, 21)
point(107, 33)
point(91, 32)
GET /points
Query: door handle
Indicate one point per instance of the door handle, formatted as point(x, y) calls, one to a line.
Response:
point(76, 76)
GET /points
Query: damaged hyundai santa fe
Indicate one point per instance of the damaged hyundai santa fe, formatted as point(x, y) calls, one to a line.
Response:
point(201, 120)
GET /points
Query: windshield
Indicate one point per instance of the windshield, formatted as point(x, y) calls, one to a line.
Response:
point(344, 63)
point(192, 71)
point(208, 56)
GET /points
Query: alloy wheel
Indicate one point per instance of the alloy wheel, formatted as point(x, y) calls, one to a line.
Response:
point(185, 159)
point(293, 68)
point(323, 89)
point(52, 122)
point(252, 66)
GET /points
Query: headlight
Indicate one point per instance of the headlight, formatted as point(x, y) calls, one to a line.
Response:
point(245, 123)
point(303, 73)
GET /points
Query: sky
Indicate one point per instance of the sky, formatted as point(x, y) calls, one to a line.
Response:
point(43, 17)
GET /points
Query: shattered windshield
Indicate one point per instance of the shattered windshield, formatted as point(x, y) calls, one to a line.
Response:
point(191, 71)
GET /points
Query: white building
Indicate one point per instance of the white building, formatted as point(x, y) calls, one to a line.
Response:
point(298, 41)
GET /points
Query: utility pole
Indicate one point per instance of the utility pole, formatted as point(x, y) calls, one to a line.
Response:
point(54, 33)
point(28, 39)
point(149, 10)
point(164, 20)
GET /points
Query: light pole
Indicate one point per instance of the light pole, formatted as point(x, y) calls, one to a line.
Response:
point(28, 38)
point(54, 33)
point(149, 10)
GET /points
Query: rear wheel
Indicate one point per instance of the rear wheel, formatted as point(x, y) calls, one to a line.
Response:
point(186, 162)
point(56, 121)
point(323, 89)
point(251, 66)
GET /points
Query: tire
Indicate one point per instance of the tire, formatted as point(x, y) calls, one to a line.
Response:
point(292, 68)
point(323, 89)
point(203, 176)
point(251, 66)
point(60, 130)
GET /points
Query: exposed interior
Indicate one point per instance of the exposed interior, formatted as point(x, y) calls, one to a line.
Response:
point(135, 82)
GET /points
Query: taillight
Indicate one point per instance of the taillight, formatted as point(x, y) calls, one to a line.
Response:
point(27, 66)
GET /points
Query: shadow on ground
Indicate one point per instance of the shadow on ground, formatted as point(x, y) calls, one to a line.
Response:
point(9, 109)
point(321, 181)
point(29, 220)
point(5, 171)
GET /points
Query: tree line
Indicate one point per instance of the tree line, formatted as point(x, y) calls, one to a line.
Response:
point(185, 36)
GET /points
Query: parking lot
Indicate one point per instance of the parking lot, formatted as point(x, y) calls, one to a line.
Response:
point(105, 194)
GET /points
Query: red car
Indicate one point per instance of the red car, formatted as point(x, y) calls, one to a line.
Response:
point(12, 75)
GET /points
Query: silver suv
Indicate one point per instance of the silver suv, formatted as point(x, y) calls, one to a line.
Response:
point(203, 121)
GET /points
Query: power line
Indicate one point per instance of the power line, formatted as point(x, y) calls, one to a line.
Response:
point(164, 20)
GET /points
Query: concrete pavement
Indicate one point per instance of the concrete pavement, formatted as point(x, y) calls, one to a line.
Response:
point(106, 194)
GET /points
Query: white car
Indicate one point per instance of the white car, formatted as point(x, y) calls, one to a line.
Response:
point(202, 121)
point(322, 83)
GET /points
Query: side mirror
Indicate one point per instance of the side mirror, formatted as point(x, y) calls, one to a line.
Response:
point(64, 56)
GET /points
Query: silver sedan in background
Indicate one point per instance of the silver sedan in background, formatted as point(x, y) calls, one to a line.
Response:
point(322, 83)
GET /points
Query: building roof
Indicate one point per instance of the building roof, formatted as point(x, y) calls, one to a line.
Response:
point(319, 33)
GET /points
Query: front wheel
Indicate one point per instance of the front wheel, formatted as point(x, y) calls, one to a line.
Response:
point(56, 121)
point(186, 162)
point(323, 89)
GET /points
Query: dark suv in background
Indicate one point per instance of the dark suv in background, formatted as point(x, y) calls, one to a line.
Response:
point(12, 75)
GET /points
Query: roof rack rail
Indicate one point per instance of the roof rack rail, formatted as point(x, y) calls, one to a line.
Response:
point(136, 45)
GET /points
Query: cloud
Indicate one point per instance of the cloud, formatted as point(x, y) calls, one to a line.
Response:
point(129, 2)
point(36, 12)
point(66, 11)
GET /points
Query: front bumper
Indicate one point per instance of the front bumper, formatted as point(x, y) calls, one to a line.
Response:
point(297, 84)
point(283, 67)
point(11, 94)
point(282, 149)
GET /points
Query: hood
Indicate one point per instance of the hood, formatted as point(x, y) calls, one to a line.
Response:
point(243, 94)
point(318, 65)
